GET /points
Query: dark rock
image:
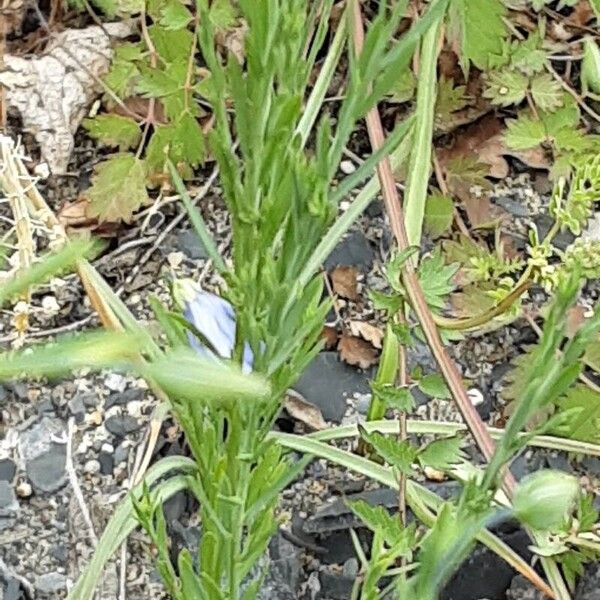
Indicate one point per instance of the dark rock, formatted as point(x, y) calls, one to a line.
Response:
point(8, 470)
point(77, 408)
point(522, 589)
point(339, 546)
point(121, 454)
point(327, 382)
point(524, 465)
point(4, 395)
point(46, 472)
point(484, 574)
point(8, 500)
point(561, 240)
point(588, 587)
point(591, 464)
point(350, 568)
point(121, 425)
point(419, 355)
point(90, 400)
point(353, 251)
point(190, 244)
point(283, 578)
point(45, 407)
point(335, 587)
point(375, 209)
point(19, 389)
point(44, 458)
point(559, 462)
point(51, 583)
point(107, 463)
point(174, 507)
point(516, 208)
point(123, 398)
point(60, 552)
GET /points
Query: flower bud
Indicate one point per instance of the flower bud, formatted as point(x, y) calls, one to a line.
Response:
point(544, 499)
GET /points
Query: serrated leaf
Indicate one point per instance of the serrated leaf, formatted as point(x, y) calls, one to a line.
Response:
point(391, 396)
point(466, 29)
point(398, 453)
point(528, 55)
point(506, 87)
point(172, 46)
point(404, 87)
point(467, 171)
point(388, 302)
point(450, 98)
point(442, 454)
point(546, 92)
point(434, 385)
point(114, 130)
point(222, 14)
point(379, 520)
point(182, 143)
point(436, 279)
point(584, 424)
point(439, 213)
point(524, 132)
point(174, 15)
point(123, 71)
point(118, 188)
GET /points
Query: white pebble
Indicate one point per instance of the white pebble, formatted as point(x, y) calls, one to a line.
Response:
point(347, 167)
point(50, 305)
point(92, 467)
point(475, 396)
point(115, 382)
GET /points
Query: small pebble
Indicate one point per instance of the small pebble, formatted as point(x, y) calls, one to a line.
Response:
point(475, 396)
point(92, 467)
point(24, 489)
point(347, 167)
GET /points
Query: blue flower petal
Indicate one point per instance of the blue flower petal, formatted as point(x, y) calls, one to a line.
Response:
point(214, 318)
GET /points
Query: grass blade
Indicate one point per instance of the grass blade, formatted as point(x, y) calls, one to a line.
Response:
point(420, 156)
point(197, 221)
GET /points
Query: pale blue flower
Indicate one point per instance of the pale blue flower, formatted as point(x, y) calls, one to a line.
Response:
point(214, 318)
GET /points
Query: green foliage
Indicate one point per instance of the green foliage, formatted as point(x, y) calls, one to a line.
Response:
point(450, 98)
point(436, 279)
point(582, 407)
point(439, 214)
point(477, 42)
point(118, 188)
point(434, 385)
point(114, 130)
point(442, 454)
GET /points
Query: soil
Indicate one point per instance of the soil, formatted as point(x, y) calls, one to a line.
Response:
point(86, 433)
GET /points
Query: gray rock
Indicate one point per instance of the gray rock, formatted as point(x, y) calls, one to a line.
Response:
point(123, 398)
point(47, 472)
point(43, 456)
point(46, 407)
point(107, 463)
point(121, 454)
point(190, 244)
point(9, 505)
point(353, 251)
point(327, 382)
point(561, 240)
point(8, 470)
point(77, 408)
point(335, 587)
point(283, 578)
point(589, 584)
point(4, 395)
point(121, 425)
point(61, 553)
point(350, 568)
point(516, 208)
point(51, 583)
point(522, 589)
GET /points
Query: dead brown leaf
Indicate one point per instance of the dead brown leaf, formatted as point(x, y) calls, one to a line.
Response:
point(344, 281)
point(304, 411)
point(575, 319)
point(582, 13)
point(368, 332)
point(140, 107)
point(330, 335)
point(74, 214)
point(356, 351)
